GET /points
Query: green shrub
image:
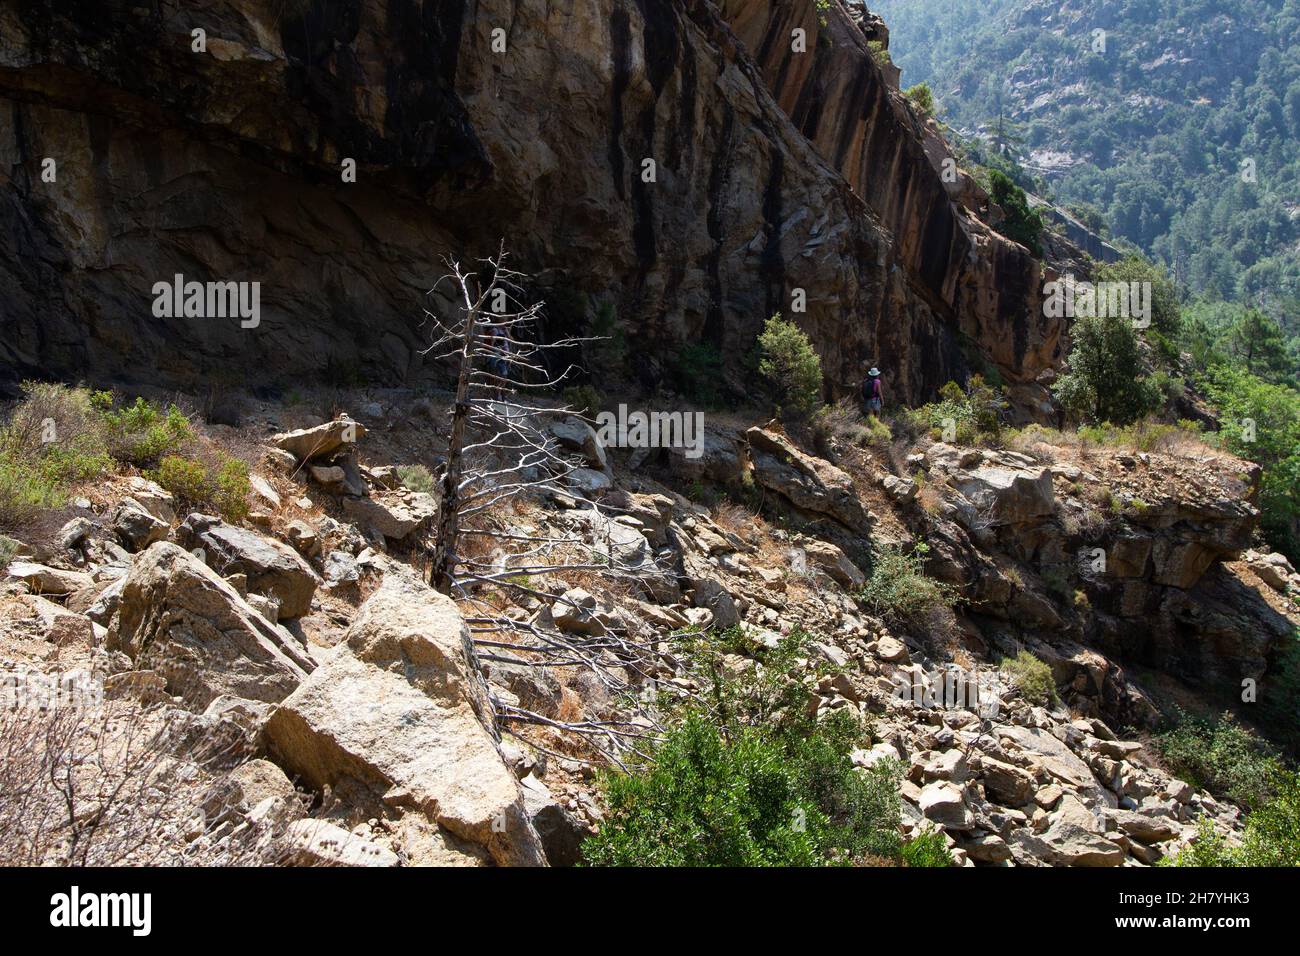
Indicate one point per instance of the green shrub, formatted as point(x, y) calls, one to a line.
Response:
point(24, 490)
point(1261, 421)
point(966, 416)
point(754, 779)
point(417, 478)
point(53, 436)
point(929, 850)
point(1165, 312)
point(1271, 838)
point(899, 589)
point(1106, 381)
point(1031, 677)
point(142, 433)
point(1020, 223)
point(222, 487)
point(704, 800)
point(790, 367)
point(1222, 756)
point(921, 97)
point(742, 796)
point(8, 550)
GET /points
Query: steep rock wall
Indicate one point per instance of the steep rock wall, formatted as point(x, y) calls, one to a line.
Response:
point(224, 165)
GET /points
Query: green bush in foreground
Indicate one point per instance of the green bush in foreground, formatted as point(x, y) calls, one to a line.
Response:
point(755, 779)
point(1222, 756)
point(1272, 836)
point(1031, 677)
point(222, 486)
point(52, 437)
point(928, 849)
point(417, 478)
point(899, 589)
point(142, 433)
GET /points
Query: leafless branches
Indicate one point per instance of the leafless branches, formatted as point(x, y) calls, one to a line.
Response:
point(502, 448)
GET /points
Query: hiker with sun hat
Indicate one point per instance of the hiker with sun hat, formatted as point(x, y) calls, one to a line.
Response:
point(872, 395)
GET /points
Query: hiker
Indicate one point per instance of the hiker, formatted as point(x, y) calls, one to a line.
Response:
point(872, 394)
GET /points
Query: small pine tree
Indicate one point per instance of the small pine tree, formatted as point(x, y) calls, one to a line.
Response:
point(922, 98)
point(790, 367)
point(1021, 223)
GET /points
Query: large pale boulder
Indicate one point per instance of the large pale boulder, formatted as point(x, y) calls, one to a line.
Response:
point(308, 443)
point(395, 516)
point(401, 713)
point(179, 617)
point(272, 568)
point(45, 580)
point(1001, 495)
point(809, 483)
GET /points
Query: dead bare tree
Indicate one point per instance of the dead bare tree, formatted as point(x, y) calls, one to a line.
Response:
point(502, 449)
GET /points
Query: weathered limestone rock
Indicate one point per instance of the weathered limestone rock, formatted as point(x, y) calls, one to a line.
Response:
point(400, 712)
point(178, 617)
point(396, 517)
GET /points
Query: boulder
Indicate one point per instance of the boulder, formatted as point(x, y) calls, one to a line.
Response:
point(1273, 569)
point(575, 435)
point(154, 498)
point(832, 560)
point(989, 848)
point(46, 580)
point(944, 803)
point(135, 526)
point(575, 613)
point(1074, 838)
point(560, 831)
point(178, 617)
point(396, 517)
point(311, 443)
point(1004, 496)
point(303, 537)
point(72, 534)
point(272, 568)
point(1006, 784)
point(401, 712)
point(1145, 826)
point(808, 482)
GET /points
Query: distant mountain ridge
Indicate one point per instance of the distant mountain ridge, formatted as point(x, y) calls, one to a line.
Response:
point(1179, 125)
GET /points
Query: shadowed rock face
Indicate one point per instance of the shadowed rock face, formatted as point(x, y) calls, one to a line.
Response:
point(225, 165)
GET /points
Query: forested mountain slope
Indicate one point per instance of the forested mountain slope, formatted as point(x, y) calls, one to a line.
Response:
point(1181, 130)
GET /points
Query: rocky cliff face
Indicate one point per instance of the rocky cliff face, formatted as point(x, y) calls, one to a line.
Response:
point(773, 172)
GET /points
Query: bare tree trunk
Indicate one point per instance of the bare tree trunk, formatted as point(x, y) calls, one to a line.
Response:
point(444, 555)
